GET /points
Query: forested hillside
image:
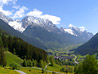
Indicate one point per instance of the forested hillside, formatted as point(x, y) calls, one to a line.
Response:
point(18, 47)
point(91, 47)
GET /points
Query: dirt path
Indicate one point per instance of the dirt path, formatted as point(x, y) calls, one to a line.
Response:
point(21, 72)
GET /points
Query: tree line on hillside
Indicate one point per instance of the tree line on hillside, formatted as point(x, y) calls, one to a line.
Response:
point(20, 48)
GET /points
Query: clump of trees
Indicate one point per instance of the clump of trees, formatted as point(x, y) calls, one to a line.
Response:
point(42, 64)
point(32, 63)
point(14, 66)
point(88, 66)
point(67, 69)
point(29, 63)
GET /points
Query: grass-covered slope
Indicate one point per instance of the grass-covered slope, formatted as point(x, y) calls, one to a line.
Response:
point(11, 58)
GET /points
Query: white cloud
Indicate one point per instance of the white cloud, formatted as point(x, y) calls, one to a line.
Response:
point(3, 2)
point(40, 14)
point(6, 2)
point(20, 12)
point(35, 13)
point(16, 6)
point(7, 13)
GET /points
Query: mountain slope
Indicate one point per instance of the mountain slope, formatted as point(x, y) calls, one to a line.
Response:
point(50, 35)
point(51, 40)
point(21, 48)
point(43, 33)
point(90, 47)
point(78, 32)
point(4, 26)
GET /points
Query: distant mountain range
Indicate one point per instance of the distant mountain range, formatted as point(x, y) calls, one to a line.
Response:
point(43, 33)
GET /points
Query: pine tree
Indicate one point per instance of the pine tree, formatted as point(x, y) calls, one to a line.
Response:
point(51, 60)
point(2, 57)
point(25, 63)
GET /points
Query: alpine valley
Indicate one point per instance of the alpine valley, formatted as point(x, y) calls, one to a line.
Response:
point(43, 33)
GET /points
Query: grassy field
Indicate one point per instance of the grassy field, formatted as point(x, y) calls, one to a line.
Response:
point(36, 71)
point(11, 58)
point(7, 71)
point(33, 71)
point(56, 68)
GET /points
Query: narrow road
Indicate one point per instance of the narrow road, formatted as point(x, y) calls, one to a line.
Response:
point(21, 72)
point(46, 66)
point(47, 70)
point(75, 59)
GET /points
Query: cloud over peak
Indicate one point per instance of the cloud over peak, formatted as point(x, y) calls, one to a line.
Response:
point(20, 13)
point(37, 13)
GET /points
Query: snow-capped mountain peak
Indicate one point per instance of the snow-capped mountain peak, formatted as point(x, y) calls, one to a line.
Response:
point(70, 31)
point(76, 31)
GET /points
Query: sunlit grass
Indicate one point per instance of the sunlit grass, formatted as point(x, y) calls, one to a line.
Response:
point(7, 71)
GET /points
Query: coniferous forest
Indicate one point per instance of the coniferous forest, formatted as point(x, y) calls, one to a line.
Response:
point(20, 48)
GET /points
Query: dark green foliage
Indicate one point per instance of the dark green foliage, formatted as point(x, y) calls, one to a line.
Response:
point(24, 63)
point(67, 69)
point(63, 69)
point(29, 63)
point(51, 59)
point(14, 66)
point(88, 66)
point(34, 62)
point(21, 48)
point(42, 64)
point(14, 51)
point(2, 57)
point(64, 62)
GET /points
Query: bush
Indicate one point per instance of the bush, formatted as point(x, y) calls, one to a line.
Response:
point(67, 69)
point(14, 66)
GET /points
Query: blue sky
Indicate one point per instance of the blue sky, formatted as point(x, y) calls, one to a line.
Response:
point(80, 13)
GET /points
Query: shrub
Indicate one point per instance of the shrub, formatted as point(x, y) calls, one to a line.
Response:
point(14, 66)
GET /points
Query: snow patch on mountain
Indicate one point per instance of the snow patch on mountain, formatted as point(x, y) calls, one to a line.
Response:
point(16, 25)
point(70, 31)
